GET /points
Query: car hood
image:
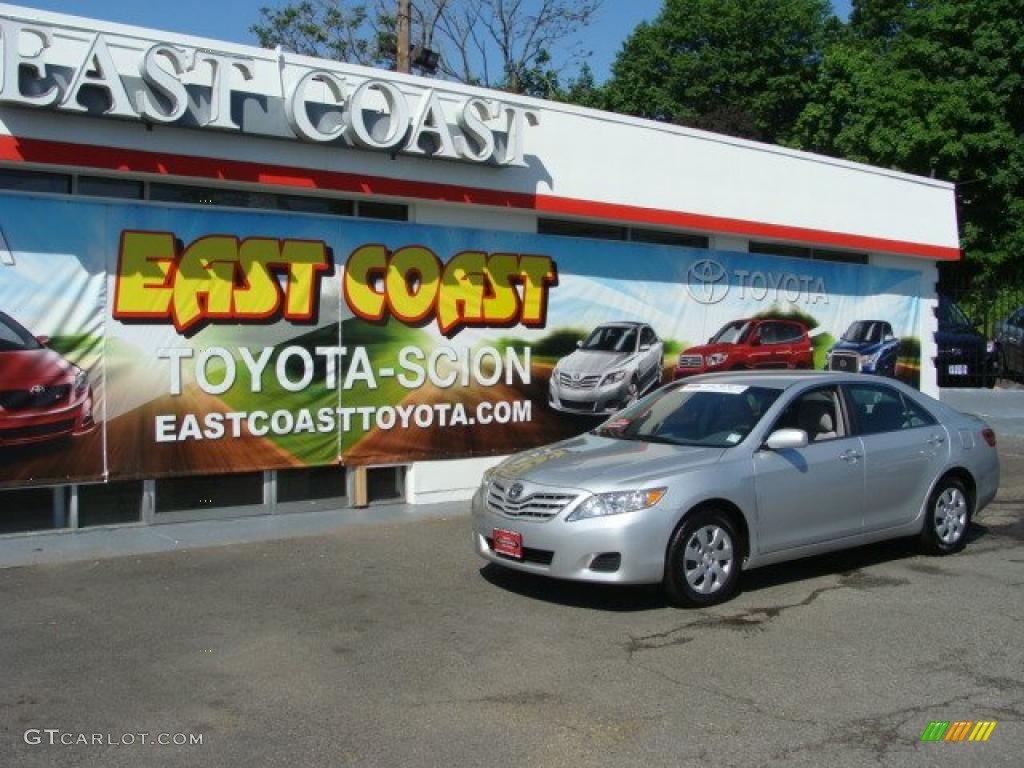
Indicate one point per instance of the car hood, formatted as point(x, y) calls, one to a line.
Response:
point(586, 362)
point(710, 349)
point(593, 463)
point(27, 368)
point(861, 347)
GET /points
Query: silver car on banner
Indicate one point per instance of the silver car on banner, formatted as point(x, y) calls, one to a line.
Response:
point(728, 472)
point(614, 365)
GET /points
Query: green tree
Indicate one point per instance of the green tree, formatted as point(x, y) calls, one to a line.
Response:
point(936, 88)
point(742, 68)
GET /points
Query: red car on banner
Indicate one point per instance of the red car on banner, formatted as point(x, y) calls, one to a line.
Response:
point(42, 396)
point(753, 343)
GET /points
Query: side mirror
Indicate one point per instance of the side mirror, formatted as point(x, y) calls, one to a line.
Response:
point(781, 439)
point(44, 340)
point(579, 343)
point(645, 347)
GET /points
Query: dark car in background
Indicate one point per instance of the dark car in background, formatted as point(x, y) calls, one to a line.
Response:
point(749, 344)
point(43, 397)
point(965, 356)
point(1009, 338)
point(868, 346)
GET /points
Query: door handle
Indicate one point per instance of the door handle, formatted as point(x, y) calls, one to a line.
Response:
point(850, 456)
point(936, 440)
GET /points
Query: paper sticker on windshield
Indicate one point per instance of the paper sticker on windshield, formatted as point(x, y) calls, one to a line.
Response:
point(725, 389)
point(734, 438)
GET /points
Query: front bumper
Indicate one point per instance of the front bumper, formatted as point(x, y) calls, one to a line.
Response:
point(600, 400)
point(32, 426)
point(564, 550)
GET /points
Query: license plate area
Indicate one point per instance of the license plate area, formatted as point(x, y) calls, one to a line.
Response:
point(958, 370)
point(508, 543)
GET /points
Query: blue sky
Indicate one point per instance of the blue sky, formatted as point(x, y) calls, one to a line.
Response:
point(231, 19)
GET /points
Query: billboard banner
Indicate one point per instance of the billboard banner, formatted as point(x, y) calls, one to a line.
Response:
point(141, 341)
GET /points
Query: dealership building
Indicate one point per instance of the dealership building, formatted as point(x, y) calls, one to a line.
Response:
point(141, 157)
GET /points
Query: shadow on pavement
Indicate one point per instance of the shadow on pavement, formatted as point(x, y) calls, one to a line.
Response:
point(605, 597)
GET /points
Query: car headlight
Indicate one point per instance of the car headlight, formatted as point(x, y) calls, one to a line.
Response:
point(717, 358)
point(615, 503)
point(870, 359)
point(81, 381)
point(990, 347)
point(614, 376)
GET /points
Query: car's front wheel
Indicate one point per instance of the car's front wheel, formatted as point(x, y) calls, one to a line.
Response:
point(703, 563)
point(947, 518)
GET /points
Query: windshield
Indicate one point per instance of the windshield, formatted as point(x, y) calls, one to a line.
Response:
point(864, 330)
point(950, 314)
point(611, 338)
point(733, 333)
point(700, 414)
point(14, 338)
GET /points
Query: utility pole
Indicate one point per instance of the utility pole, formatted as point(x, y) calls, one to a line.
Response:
point(402, 55)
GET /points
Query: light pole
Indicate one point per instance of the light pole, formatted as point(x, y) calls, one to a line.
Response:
point(402, 54)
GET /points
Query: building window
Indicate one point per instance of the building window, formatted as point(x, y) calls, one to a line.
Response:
point(391, 211)
point(568, 228)
point(35, 181)
point(180, 494)
point(664, 237)
point(312, 484)
point(110, 503)
point(32, 509)
point(581, 229)
point(100, 186)
point(803, 252)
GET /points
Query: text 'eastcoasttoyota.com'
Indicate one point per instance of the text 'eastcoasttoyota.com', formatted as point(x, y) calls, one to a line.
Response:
point(337, 369)
point(56, 737)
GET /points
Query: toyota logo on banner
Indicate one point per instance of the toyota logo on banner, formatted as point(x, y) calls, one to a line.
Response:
point(707, 281)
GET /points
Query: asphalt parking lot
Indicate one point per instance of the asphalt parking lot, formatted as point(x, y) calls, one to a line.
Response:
point(392, 645)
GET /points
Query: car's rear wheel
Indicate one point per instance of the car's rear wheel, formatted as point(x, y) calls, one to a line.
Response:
point(704, 560)
point(947, 518)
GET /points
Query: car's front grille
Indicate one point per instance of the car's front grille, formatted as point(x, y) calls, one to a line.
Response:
point(540, 504)
point(37, 397)
point(845, 361)
point(578, 382)
point(577, 405)
point(691, 361)
point(38, 430)
point(530, 555)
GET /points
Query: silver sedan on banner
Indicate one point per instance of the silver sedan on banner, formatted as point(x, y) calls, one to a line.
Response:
point(726, 472)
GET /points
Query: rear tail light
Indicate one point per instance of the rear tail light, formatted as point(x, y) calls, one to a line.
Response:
point(990, 436)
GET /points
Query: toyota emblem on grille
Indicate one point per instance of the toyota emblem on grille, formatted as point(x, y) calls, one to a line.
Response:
point(38, 389)
point(515, 491)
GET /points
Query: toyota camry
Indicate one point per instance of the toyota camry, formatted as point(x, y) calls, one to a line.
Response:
point(722, 473)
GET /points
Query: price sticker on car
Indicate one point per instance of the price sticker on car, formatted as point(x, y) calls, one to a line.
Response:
point(724, 389)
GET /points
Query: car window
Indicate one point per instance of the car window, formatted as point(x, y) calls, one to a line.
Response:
point(817, 413)
point(790, 332)
point(732, 333)
point(611, 338)
point(647, 336)
point(878, 409)
point(700, 414)
point(13, 338)
point(769, 333)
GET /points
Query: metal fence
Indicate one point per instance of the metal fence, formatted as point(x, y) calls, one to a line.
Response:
point(980, 334)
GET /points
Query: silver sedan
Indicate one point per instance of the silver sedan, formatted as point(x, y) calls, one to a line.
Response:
point(725, 472)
